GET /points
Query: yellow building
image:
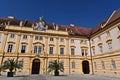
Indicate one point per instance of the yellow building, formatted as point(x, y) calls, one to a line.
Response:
point(81, 50)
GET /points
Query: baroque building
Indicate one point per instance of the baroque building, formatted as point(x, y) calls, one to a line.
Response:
point(81, 50)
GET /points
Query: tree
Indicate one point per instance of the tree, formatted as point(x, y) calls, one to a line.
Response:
point(56, 67)
point(11, 64)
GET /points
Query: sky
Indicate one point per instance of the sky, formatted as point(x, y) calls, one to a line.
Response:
point(85, 13)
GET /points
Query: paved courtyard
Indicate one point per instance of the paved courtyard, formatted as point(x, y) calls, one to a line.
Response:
point(63, 77)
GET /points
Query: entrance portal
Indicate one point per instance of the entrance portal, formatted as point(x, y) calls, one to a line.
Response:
point(35, 66)
point(85, 67)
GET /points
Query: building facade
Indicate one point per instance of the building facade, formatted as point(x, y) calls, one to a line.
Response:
point(81, 50)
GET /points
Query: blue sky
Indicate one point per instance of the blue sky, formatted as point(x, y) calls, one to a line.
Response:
point(86, 13)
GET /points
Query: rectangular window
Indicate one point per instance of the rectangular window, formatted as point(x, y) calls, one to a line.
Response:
point(40, 38)
point(118, 27)
point(21, 63)
point(82, 52)
point(103, 65)
point(73, 65)
point(86, 53)
point(72, 40)
point(83, 42)
point(37, 49)
point(24, 36)
point(51, 50)
point(51, 39)
point(23, 48)
point(10, 46)
point(113, 64)
point(101, 50)
point(110, 46)
point(99, 38)
point(61, 39)
point(95, 66)
point(12, 35)
point(36, 37)
point(108, 33)
point(72, 51)
point(62, 63)
point(93, 50)
point(61, 50)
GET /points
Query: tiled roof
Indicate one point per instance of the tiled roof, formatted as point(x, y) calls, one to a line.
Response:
point(72, 30)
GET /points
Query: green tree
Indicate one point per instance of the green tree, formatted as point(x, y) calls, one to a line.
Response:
point(56, 67)
point(11, 64)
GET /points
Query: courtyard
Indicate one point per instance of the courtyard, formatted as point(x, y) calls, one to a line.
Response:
point(63, 77)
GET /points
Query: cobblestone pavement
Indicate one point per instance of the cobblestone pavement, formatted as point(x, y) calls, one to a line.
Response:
point(63, 77)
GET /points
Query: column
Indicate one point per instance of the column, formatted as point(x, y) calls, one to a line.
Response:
point(30, 49)
point(17, 43)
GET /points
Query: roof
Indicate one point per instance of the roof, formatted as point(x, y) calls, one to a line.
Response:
point(72, 30)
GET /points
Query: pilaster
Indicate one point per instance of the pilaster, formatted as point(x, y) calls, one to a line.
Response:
point(30, 50)
point(17, 43)
point(4, 41)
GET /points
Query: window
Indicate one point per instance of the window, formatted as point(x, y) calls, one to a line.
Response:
point(62, 63)
point(95, 66)
point(72, 40)
point(12, 35)
point(73, 65)
point(72, 51)
point(101, 50)
point(51, 50)
point(93, 41)
point(99, 38)
point(83, 41)
point(24, 36)
point(37, 49)
point(103, 65)
point(10, 46)
point(61, 50)
point(108, 33)
point(110, 46)
point(84, 52)
point(113, 64)
point(51, 39)
point(50, 62)
point(38, 38)
point(21, 64)
point(23, 48)
point(118, 27)
point(61, 39)
point(93, 50)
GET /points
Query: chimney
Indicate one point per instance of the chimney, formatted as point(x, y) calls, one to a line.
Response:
point(11, 17)
point(72, 25)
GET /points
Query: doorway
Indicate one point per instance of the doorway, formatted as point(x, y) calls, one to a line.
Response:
point(35, 66)
point(85, 67)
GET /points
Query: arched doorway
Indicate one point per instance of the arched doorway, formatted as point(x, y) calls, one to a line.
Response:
point(35, 66)
point(85, 67)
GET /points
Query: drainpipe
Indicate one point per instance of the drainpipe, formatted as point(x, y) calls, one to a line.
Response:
point(91, 55)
